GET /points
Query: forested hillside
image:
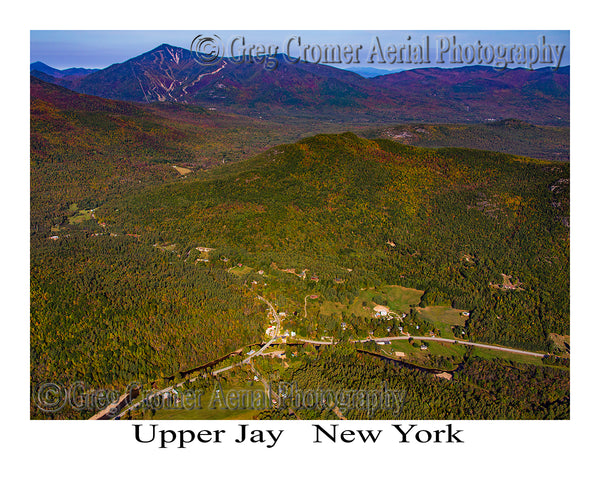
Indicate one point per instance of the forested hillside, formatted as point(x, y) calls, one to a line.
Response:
point(87, 149)
point(108, 311)
point(484, 231)
point(479, 389)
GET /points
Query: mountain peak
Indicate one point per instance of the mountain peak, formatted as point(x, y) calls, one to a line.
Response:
point(167, 47)
point(42, 67)
point(38, 66)
point(469, 94)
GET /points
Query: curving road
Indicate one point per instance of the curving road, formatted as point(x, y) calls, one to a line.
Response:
point(320, 342)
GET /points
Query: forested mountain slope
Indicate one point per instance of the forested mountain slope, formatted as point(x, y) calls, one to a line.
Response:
point(485, 231)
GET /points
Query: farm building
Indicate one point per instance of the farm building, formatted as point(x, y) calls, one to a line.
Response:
point(381, 310)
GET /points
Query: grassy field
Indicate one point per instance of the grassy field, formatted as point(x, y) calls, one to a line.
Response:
point(78, 216)
point(336, 308)
point(419, 357)
point(562, 342)
point(182, 170)
point(445, 349)
point(240, 271)
point(514, 357)
point(398, 299)
point(443, 318)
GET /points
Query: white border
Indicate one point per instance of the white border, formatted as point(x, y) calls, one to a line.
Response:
point(494, 449)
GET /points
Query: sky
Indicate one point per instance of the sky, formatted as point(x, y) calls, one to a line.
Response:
point(101, 48)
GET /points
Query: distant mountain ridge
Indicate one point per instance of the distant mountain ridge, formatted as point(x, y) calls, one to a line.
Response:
point(56, 73)
point(370, 72)
point(467, 94)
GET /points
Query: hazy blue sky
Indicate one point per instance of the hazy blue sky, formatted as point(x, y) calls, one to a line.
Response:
point(101, 48)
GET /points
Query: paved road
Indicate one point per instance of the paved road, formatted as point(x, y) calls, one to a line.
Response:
point(146, 398)
point(215, 372)
point(431, 339)
point(259, 352)
point(320, 342)
point(273, 312)
point(110, 408)
point(460, 342)
point(264, 347)
point(316, 342)
point(220, 370)
point(305, 300)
